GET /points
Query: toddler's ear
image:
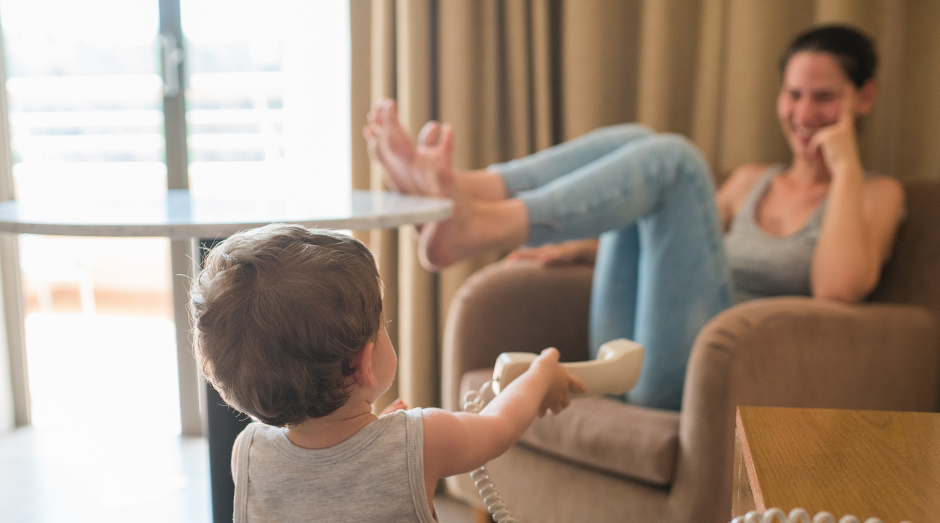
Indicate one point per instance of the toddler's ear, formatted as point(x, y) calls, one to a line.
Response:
point(363, 365)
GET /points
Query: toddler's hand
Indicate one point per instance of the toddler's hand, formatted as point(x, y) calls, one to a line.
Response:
point(562, 384)
point(396, 405)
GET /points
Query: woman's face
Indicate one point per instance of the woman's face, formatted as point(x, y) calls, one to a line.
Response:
point(813, 89)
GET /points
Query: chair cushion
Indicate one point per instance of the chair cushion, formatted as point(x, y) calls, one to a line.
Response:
point(604, 434)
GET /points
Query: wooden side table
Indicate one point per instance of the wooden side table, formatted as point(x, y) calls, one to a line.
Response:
point(864, 463)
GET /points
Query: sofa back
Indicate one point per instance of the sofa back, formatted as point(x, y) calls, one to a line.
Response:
point(912, 275)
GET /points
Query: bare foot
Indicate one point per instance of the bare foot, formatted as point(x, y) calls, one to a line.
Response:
point(474, 227)
point(408, 168)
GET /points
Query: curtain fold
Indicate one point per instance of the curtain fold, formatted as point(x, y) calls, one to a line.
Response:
point(516, 76)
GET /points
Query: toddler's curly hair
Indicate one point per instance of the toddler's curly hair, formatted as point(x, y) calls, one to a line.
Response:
point(279, 314)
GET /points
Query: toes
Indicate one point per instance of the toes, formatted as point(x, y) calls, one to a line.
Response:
point(447, 135)
point(382, 112)
point(391, 113)
point(430, 133)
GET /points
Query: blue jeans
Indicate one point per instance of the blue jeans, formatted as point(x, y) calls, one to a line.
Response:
point(660, 274)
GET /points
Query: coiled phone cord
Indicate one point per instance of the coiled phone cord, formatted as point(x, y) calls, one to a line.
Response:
point(797, 515)
point(473, 402)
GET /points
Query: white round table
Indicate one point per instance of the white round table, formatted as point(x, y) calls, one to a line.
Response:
point(180, 215)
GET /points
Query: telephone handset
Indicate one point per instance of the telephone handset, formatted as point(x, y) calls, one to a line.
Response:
point(615, 371)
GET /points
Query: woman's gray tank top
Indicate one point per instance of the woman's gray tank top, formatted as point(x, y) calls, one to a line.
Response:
point(762, 264)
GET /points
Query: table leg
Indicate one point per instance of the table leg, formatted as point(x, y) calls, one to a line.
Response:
point(224, 426)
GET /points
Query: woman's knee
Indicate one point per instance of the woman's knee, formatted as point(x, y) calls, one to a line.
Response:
point(682, 150)
point(671, 142)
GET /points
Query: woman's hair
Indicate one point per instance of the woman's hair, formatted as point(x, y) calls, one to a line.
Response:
point(852, 49)
point(280, 312)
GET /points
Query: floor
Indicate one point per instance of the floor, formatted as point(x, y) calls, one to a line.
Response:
point(51, 476)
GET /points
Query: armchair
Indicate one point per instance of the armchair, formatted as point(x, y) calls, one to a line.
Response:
point(602, 460)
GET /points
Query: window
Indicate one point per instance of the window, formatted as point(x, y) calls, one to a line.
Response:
point(267, 110)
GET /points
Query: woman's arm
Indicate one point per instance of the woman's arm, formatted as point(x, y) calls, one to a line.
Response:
point(856, 237)
point(861, 219)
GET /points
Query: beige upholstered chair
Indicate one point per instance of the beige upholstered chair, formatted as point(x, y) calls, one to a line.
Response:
point(602, 460)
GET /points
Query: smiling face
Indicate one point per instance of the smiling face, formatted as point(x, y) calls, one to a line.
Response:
point(814, 85)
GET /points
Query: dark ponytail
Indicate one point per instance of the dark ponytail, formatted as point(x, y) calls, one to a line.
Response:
point(852, 49)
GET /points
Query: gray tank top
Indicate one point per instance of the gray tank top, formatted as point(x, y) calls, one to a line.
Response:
point(376, 475)
point(762, 264)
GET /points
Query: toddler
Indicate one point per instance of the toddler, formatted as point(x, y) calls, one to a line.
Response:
point(289, 329)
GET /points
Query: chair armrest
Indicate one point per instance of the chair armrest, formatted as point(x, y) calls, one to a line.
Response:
point(802, 352)
point(514, 307)
point(799, 352)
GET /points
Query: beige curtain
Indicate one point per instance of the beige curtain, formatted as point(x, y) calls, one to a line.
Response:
point(516, 76)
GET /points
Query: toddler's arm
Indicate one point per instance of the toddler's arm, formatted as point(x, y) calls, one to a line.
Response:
point(458, 442)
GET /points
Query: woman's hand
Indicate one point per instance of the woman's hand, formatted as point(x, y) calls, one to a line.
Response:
point(556, 254)
point(835, 147)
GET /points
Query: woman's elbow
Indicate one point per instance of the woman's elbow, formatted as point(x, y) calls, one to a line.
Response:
point(846, 289)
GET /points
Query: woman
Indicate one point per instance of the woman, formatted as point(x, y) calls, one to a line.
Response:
point(819, 226)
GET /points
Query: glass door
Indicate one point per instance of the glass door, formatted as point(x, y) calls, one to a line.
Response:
point(85, 102)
